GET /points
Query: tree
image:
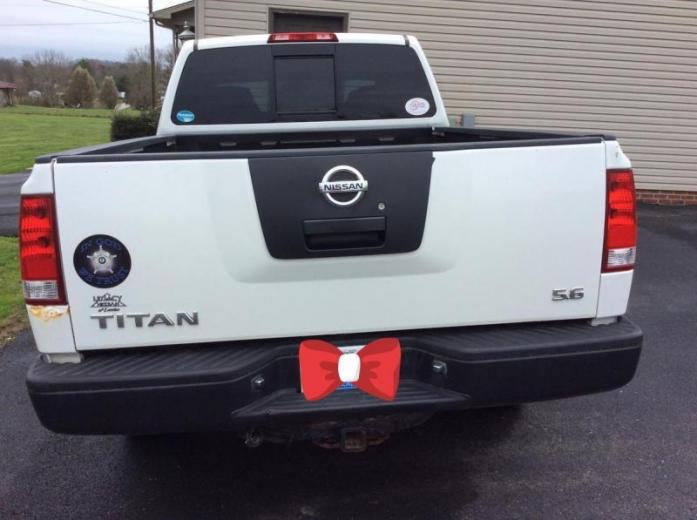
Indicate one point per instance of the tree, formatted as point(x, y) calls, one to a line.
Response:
point(165, 64)
point(46, 71)
point(138, 94)
point(81, 89)
point(9, 70)
point(137, 80)
point(108, 94)
point(85, 64)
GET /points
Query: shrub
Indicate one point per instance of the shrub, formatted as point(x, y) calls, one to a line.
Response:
point(81, 89)
point(126, 125)
point(38, 100)
point(108, 94)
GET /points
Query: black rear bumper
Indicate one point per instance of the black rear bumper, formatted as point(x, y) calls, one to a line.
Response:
point(243, 385)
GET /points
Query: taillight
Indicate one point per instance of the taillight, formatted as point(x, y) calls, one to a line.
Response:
point(619, 253)
point(38, 251)
point(302, 37)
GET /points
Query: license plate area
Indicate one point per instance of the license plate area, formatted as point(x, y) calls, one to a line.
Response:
point(349, 350)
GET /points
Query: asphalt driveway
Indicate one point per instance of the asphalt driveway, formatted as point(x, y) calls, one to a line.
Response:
point(9, 202)
point(630, 453)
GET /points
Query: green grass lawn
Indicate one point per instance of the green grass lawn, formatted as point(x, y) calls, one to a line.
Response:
point(12, 311)
point(27, 132)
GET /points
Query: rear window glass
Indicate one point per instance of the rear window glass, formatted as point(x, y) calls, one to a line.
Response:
point(301, 82)
point(304, 84)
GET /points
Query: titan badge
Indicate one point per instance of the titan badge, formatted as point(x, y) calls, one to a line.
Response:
point(141, 320)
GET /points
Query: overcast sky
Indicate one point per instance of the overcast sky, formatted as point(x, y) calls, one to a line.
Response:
point(31, 25)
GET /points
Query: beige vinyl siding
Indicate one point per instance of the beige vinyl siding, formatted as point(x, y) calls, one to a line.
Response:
point(626, 67)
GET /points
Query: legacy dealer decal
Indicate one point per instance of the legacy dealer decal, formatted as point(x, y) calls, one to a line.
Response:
point(107, 302)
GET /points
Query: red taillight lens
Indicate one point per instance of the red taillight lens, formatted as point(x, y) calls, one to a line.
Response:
point(39, 252)
point(302, 37)
point(620, 222)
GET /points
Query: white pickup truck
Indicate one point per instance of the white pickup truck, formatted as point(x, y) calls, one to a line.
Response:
point(307, 186)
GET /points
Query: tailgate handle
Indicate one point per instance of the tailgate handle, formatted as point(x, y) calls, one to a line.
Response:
point(345, 233)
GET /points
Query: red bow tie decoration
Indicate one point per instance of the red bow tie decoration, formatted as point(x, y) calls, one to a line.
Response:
point(374, 369)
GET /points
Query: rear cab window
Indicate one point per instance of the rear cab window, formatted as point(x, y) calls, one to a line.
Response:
point(300, 83)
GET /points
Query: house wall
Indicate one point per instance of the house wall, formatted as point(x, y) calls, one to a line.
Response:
point(627, 67)
point(4, 98)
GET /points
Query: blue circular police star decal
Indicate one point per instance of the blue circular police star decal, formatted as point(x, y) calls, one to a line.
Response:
point(102, 261)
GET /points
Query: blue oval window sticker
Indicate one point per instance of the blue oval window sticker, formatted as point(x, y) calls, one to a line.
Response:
point(185, 116)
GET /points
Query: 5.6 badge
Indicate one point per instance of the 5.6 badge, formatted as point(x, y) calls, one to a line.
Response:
point(102, 261)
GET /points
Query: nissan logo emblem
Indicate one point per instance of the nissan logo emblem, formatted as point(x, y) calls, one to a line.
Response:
point(348, 180)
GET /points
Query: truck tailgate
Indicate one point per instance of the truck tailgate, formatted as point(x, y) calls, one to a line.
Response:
point(245, 248)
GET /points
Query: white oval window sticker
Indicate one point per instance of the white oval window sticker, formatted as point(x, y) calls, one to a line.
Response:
point(417, 106)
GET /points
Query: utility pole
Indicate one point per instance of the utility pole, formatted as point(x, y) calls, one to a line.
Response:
point(152, 54)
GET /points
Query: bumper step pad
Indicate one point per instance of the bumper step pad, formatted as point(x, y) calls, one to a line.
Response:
point(412, 395)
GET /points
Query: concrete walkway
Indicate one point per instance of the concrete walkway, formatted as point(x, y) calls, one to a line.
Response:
point(9, 202)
